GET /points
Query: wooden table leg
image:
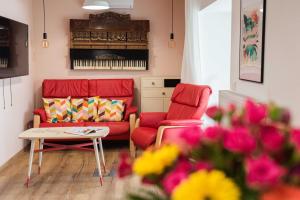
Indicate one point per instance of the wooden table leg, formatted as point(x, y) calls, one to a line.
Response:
point(102, 154)
point(97, 159)
point(30, 162)
point(41, 147)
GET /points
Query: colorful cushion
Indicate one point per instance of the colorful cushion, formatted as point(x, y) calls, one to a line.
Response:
point(58, 109)
point(84, 109)
point(110, 110)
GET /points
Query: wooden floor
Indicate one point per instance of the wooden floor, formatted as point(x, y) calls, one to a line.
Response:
point(65, 175)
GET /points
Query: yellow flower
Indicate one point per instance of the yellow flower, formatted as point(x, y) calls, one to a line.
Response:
point(204, 185)
point(155, 162)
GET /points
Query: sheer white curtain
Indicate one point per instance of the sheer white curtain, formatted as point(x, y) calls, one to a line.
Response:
point(191, 64)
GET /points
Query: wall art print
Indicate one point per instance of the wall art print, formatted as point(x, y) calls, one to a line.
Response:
point(253, 14)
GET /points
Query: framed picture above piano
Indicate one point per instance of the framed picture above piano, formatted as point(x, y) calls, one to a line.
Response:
point(109, 41)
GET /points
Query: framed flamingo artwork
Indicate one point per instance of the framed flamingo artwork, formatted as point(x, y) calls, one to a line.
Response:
point(253, 15)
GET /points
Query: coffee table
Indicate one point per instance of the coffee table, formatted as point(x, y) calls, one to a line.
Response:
point(43, 134)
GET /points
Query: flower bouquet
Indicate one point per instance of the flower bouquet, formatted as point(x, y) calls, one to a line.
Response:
point(250, 153)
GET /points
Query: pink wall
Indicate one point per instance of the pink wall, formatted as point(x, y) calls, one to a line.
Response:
point(54, 61)
point(14, 119)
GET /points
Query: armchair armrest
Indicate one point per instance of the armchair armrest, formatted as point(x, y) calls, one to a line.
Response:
point(129, 111)
point(188, 122)
point(41, 113)
point(152, 119)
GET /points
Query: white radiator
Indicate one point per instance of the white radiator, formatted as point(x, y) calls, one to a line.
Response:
point(227, 97)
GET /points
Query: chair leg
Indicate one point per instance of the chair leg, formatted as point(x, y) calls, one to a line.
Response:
point(132, 150)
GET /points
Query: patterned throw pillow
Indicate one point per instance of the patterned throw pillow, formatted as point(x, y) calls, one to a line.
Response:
point(58, 109)
point(84, 109)
point(110, 110)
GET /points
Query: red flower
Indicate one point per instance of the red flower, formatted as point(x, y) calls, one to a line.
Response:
point(272, 139)
point(176, 176)
point(125, 165)
point(296, 138)
point(239, 140)
point(215, 112)
point(263, 172)
point(203, 165)
point(255, 113)
point(214, 133)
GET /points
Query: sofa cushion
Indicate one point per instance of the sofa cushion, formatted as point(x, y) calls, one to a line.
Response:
point(65, 88)
point(64, 124)
point(57, 109)
point(110, 110)
point(187, 94)
point(84, 109)
point(111, 87)
point(115, 128)
point(144, 137)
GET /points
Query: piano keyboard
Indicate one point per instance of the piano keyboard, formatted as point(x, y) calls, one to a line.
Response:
point(3, 62)
point(110, 64)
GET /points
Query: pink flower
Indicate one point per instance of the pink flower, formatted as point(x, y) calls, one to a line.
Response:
point(263, 172)
point(187, 139)
point(255, 113)
point(176, 176)
point(203, 165)
point(125, 165)
point(191, 136)
point(239, 140)
point(215, 112)
point(231, 108)
point(272, 140)
point(213, 133)
point(296, 138)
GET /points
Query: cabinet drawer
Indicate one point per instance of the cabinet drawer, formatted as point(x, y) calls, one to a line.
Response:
point(152, 105)
point(152, 83)
point(148, 93)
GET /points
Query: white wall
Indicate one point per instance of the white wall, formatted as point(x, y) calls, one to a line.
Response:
point(14, 119)
point(282, 56)
point(53, 62)
point(215, 46)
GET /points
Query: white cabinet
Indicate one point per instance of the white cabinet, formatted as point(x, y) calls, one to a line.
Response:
point(156, 93)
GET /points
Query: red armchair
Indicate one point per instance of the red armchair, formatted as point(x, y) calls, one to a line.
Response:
point(189, 102)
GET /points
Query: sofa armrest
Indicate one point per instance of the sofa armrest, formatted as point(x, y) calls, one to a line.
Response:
point(42, 113)
point(129, 111)
point(36, 121)
point(188, 122)
point(152, 119)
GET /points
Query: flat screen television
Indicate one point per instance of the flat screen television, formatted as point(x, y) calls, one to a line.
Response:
point(13, 48)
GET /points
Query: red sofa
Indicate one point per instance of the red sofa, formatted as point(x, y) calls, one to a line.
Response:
point(105, 88)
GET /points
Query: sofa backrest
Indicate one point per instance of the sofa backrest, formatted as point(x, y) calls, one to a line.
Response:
point(78, 88)
point(189, 101)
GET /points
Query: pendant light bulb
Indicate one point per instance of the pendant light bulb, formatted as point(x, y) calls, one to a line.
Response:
point(172, 43)
point(45, 42)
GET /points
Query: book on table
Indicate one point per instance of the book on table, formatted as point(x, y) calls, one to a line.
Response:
point(82, 130)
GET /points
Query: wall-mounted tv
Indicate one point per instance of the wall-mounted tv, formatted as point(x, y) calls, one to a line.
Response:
point(13, 48)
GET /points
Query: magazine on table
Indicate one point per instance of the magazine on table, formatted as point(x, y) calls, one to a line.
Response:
point(83, 130)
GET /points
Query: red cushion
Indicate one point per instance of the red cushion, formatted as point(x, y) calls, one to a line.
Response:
point(65, 88)
point(152, 119)
point(188, 94)
point(115, 128)
point(42, 113)
point(183, 111)
point(143, 137)
point(111, 87)
point(65, 124)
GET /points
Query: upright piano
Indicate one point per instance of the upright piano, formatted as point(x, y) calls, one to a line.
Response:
point(109, 41)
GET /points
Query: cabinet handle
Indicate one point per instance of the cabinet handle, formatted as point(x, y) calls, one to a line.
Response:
point(163, 93)
point(153, 83)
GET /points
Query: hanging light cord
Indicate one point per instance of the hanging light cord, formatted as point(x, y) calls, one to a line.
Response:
point(172, 16)
point(44, 16)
